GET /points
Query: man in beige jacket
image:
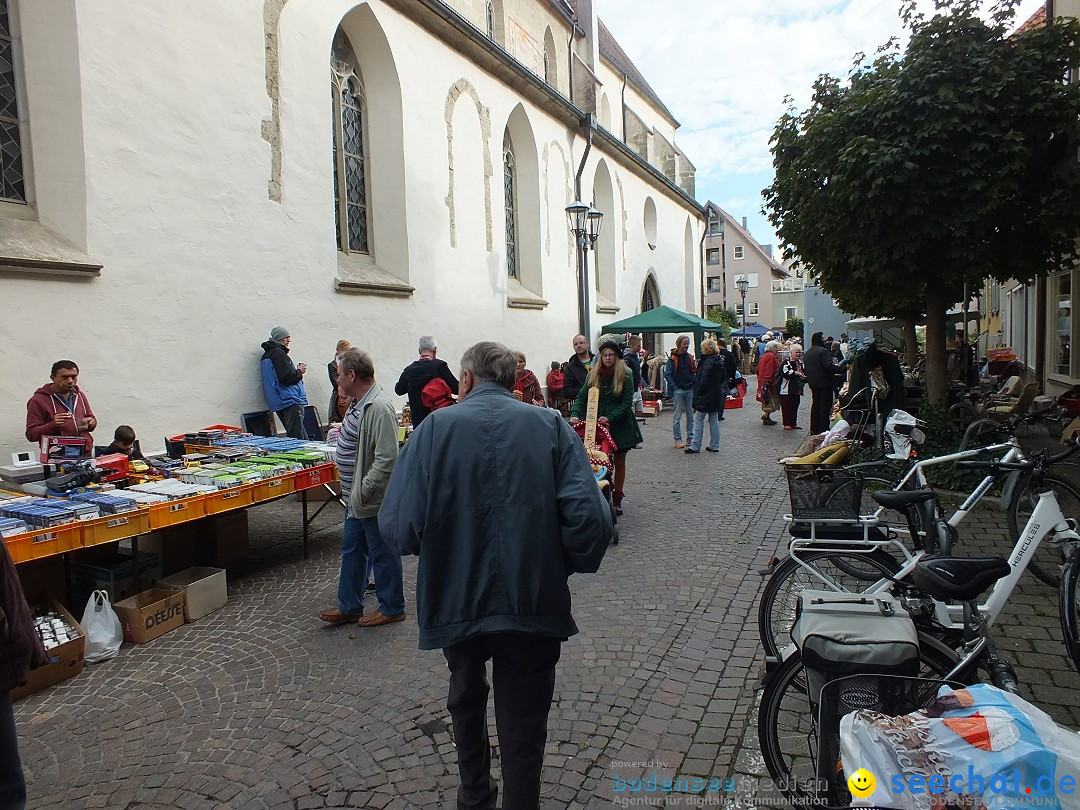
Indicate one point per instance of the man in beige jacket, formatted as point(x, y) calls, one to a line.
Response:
point(366, 452)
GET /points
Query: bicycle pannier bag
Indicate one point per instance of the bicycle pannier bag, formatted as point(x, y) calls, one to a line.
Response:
point(853, 634)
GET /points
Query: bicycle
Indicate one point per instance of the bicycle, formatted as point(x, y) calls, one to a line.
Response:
point(862, 561)
point(790, 727)
point(851, 556)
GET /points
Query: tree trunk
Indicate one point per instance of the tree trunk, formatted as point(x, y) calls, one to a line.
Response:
point(911, 343)
point(936, 352)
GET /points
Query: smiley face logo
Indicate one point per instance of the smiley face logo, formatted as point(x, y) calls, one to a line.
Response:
point(861, 783)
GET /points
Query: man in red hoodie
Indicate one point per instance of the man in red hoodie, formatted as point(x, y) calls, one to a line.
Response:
point(61, 408)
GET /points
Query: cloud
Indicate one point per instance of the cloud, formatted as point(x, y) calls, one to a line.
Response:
point(725, 68)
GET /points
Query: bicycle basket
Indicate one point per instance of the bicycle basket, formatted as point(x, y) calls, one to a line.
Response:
point(820, 492)
point(892, 695)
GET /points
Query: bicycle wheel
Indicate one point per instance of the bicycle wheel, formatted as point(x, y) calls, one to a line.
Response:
point(787, 724)
point(1048, 559)
point(1069, 608)
point(828, 569)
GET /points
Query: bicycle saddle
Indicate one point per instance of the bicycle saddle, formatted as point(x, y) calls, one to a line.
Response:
point(900, 500)
point(959, 578)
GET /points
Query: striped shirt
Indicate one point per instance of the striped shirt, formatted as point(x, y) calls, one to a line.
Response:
point(347, 443)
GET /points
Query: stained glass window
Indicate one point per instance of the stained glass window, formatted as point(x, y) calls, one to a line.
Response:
point(350, 153)
point(12, 180)
point(509, 181)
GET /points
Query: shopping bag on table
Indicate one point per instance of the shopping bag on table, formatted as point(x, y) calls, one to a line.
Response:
point(104, 634)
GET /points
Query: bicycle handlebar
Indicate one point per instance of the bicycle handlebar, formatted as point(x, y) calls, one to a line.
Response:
point(1041, 459)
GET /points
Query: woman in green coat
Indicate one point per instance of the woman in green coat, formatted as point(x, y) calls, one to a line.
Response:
point(616, 409)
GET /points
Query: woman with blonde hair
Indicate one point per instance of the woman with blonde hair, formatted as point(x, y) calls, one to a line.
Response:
point(710, 396)
point(615, 381)
point(768, 387)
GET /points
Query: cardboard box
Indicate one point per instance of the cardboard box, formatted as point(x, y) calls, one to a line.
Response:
point(223, 539)
point(111, 572)
point(205, 590)
point(176, 546)
point(65, 661)
point(150, 614)
point(321, 493)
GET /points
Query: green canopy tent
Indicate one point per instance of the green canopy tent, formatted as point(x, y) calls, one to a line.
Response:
point(666, 319)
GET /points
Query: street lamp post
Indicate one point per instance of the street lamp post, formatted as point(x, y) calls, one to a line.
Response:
point(743, 284)
point(584, 222)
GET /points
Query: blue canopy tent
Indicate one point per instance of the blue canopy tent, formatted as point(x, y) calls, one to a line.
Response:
point(754, 330)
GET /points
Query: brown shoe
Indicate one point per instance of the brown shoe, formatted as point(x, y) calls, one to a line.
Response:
point(379, 618)
point(336, 617)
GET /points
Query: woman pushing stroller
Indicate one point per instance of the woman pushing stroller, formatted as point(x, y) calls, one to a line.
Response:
point(613, 378)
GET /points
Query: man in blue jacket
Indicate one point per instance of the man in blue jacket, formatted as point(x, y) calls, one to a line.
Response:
point(499, 501)
point(283, 382)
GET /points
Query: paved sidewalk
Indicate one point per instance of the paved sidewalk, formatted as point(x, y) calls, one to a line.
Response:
point(261, 706)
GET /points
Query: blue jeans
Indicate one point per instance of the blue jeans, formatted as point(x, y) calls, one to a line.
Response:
point(360, 542)
point(681, 399)
point(699, 430)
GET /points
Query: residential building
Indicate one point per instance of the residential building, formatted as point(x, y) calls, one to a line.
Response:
point(176, 182)
point(732, 253)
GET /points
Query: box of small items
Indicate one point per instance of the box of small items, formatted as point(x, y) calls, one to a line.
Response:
point(65, 643)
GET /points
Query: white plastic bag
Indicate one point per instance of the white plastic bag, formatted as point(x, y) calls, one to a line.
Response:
point(104, 635)
point(974, 747)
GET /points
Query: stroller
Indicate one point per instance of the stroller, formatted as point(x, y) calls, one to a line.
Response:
point(600, 457)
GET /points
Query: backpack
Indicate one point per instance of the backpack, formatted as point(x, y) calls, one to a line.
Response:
point(436, 394)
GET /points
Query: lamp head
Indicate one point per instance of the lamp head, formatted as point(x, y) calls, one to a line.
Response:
point(595, 219)
point(576, 216)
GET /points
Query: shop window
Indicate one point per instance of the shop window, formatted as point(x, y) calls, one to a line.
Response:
point(1061, 291)
point(351, 207)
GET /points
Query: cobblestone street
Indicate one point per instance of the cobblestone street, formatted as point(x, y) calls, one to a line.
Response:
point(262, 706)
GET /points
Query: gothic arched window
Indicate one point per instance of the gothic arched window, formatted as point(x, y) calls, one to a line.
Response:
point(510, 200)
point(351, 205)
point(12, 179)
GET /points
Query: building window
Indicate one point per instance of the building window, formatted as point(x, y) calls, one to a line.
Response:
point(1061, 303)
point(790, 312)
point(714, 285)
point(739, 310)
point(490, 20)
point(712, 256)
point(350, 161)
point(737, 252)
point(714, 227)
point(12, 178)
point(510, 201)
point(753, 309)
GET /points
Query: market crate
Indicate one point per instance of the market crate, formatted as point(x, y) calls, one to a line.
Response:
point(228, 499)
point(115, 527)
point(315, 476)
point(163, 515)
point(272, 488)
point(45, 542)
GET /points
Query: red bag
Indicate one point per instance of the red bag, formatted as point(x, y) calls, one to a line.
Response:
point(555, 382)
point(436, 394)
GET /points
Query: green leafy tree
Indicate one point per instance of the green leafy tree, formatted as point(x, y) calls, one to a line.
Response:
point(934, 167)
point(793, 327)
point(724, 315)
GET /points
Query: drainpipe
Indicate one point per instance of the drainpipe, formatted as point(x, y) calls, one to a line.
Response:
point(570, 60)
point(622, 104)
